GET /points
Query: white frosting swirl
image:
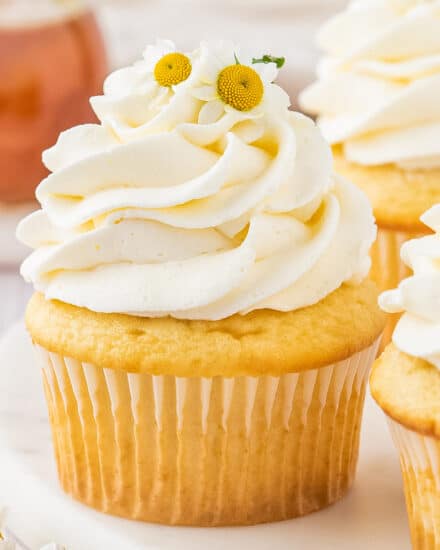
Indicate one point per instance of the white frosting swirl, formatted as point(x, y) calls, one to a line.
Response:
point(155, 212)
point(418, 330)
point(379, 85)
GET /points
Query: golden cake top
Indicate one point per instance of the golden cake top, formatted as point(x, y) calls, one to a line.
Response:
point(263, 342)
point(408, 389)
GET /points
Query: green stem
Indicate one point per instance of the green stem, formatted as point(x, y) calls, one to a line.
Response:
point(279, 61)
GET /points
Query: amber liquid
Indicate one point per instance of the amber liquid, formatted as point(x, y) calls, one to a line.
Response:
point(47, 74)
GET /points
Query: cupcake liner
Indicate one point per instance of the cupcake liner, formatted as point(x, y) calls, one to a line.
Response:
point(387, 268)
point(420, 463)
point(205, 451)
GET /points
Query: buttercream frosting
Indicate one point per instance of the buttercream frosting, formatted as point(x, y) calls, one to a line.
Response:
point(379, 83)
point(418, 296)
point(179, 204)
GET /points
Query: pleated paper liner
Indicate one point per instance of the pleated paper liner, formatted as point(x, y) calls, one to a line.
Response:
point(206, 451)
point(387, 269)
point(420, 463)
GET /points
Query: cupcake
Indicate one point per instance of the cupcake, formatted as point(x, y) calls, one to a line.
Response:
point(201, 312)
point(406, 382)
point(376, 99)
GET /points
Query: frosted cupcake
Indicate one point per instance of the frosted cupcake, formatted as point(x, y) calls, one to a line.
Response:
point(406, 382)
point(377, 104)
point(201, 314)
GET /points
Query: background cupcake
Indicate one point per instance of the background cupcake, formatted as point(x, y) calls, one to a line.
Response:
point(201, 314)
point(406, 382)
point(376, 101)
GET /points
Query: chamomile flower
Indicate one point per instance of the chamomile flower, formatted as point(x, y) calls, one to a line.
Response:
point(147, 96)
point(168, 66)
point(157, 73)
point(232, 80)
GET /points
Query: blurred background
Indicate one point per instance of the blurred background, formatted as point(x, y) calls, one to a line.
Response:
point(54, 54)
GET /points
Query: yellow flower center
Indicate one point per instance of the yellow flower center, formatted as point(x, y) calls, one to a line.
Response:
point(240, 87)
point(172, 69)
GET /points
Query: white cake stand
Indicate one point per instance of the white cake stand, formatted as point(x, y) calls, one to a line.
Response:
point(372, 516)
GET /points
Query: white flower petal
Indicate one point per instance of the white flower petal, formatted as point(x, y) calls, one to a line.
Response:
point(162, 47)
point(267, 71)
point(209, 74)
point(166, 46)
point(205, 93)
point(152, 54)
point(275, 98)
point(244, 55)
point(211, 112)
point(223, 54)
point(224, 51)
point(256, 112)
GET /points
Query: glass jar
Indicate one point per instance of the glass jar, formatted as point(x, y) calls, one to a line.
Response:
point(51, 62)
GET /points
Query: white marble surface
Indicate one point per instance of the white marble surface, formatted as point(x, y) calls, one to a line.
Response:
point(372, 516)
